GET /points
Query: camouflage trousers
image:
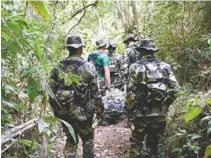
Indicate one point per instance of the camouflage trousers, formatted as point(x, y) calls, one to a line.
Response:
point(86, 132)
point(151, 127)
point(102, 85)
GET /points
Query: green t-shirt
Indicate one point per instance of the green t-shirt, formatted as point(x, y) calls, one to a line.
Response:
point(99, 59)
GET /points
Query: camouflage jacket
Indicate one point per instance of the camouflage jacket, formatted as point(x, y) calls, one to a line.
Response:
point(87, 84)
point(114, 62)
point(130, 56)
point(138, 76)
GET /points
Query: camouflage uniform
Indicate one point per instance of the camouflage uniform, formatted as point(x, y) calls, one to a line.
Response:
point(114, 65)
point(87, 98)
point(131, 55)
point(148, 109)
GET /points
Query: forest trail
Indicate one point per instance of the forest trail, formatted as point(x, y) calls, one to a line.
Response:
point(109, 142)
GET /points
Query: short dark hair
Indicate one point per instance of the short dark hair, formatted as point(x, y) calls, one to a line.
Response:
point(71, 50)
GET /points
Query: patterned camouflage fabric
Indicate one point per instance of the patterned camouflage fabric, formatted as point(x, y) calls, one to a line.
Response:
point(82, 124)
point(151, 89)
point(130, 56)
point(114, 58)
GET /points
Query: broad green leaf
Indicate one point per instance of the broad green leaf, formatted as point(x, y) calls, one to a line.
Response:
point(195, 136)
point(192, 113)
point(25, 142)
point(75, 78)
point(70, 128)
point(22, 22)
point(41, 125)
point(188, 103)
point(51, 119)
point(40, 8)
point(56, 50)
point(38, 50)
point(32, 89)
point(208, 102)
point(6, 35)
point(15, 47)
point(3, 91)
point(29, 71)
point(53, 139)
point(177, 150)
point(207, 153)
point(209, 42)
point(14, 26)
point(208, 131)
point(68, 81)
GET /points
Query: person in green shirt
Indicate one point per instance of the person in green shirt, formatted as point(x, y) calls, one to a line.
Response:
point(101, 61)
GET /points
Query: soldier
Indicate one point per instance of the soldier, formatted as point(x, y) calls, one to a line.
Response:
point(114, 65)
point(131, 55)
point(151, 89)
point(76, 102)
point(101, 61)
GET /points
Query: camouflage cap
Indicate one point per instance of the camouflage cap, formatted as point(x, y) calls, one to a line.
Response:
point(130, 37)
point(75, 42)
point(111, 45)
point(101, 42)
point(147, 44)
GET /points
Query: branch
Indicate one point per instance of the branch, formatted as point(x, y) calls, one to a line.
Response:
point(76, 23)
point(17, 131)
point(80, 10)
point(53, 24)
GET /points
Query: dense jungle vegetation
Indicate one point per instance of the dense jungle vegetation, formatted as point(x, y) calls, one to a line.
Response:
point(33, 35)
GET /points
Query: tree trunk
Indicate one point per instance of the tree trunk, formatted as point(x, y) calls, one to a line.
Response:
point(135, 14)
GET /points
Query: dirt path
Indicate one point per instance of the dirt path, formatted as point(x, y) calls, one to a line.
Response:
point(110, 142)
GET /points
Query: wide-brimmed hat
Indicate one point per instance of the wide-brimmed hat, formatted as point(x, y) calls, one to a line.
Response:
point(74, 41)
point(101, 42)
point(147, 44)
point(130, 37)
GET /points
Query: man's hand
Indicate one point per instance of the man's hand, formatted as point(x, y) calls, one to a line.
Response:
point(100, 111)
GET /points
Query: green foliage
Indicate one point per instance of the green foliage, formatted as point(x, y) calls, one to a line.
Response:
point(40, 8)
point(32, 89)
point(207, 152)
point(38, 51)
point(30, 48)
point(193, 109)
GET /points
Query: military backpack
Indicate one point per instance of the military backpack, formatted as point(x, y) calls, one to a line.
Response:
point(67, 95)
point(154, 91)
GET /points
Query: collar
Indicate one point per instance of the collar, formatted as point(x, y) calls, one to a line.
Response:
point(74, 57)
point(148, 56)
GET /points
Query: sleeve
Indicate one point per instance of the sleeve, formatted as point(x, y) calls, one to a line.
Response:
point(105, 60)
point(172, 83)
point(125, 57)
point(131, 92)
